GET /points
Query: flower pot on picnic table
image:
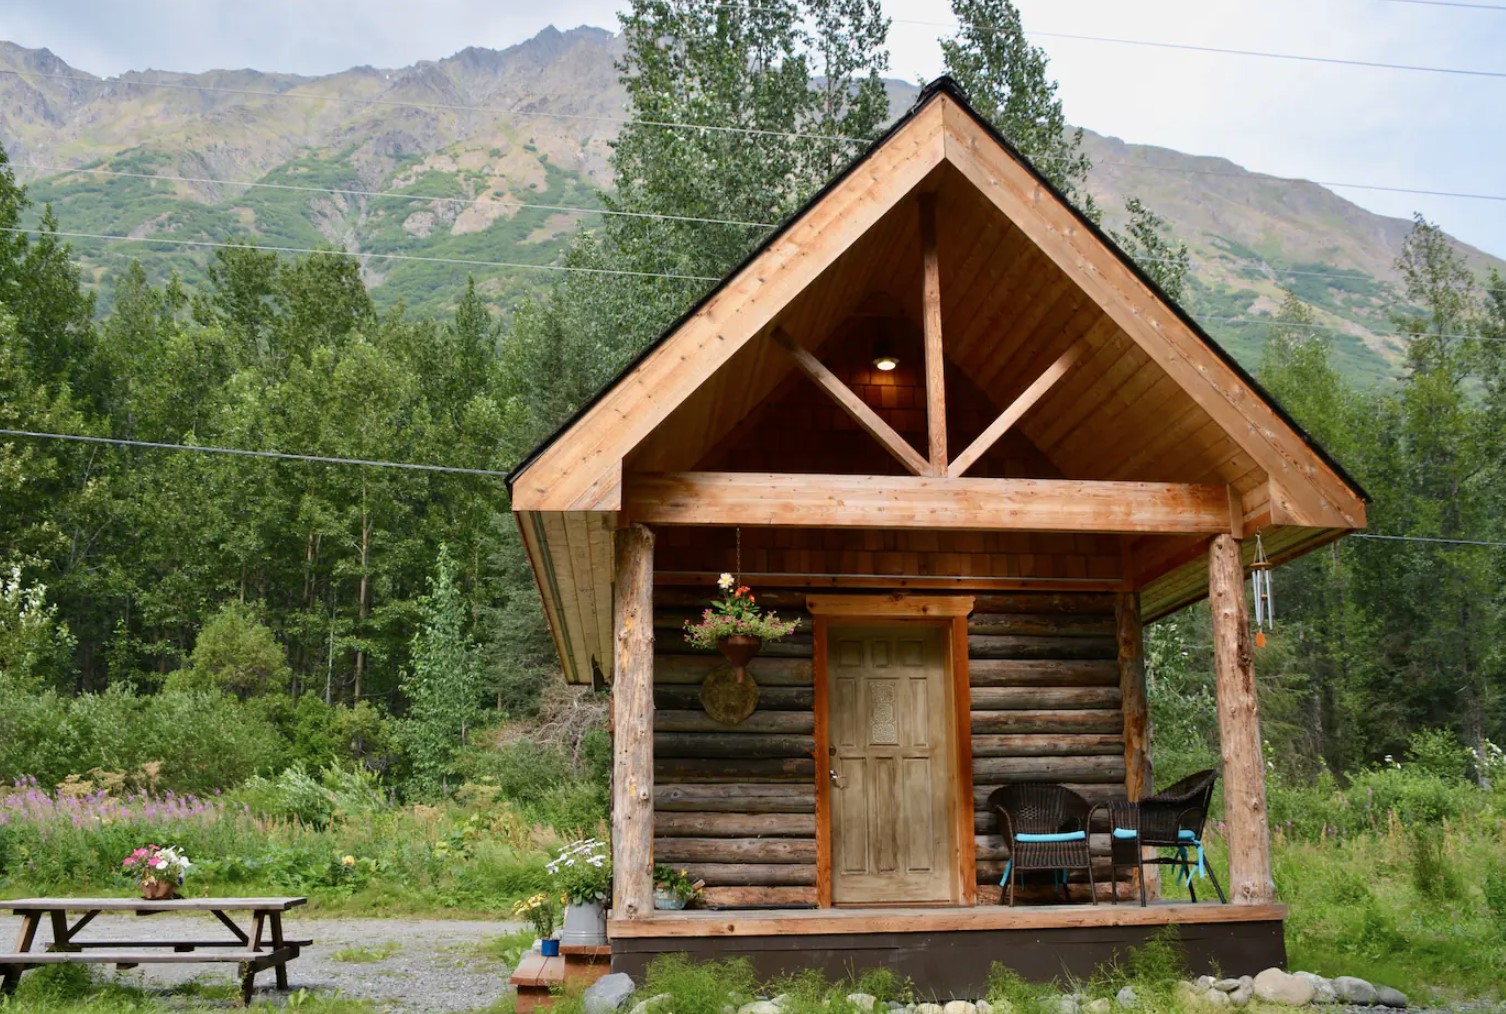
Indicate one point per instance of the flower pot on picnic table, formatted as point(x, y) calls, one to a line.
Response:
point(158, 890)
point(585, 925)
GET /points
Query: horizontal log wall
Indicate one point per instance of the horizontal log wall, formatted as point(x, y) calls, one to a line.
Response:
point(736, 806)
point(1046, 706)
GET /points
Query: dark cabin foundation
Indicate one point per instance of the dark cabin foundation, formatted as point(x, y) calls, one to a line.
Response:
point(947, 953)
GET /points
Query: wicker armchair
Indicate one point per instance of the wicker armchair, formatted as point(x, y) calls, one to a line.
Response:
point(1046, 826)
point(1170, 819)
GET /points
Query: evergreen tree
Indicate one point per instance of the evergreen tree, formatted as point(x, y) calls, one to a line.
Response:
point(443, 685)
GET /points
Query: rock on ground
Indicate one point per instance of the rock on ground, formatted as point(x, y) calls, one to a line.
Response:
point(652, 1004)
point(1390, 997)
point(759, 1007)
point(608, 993)
point(1278, 987)
point(1350, 989)
point(862, 1001)
point(960, 1007)
point(1126, 998)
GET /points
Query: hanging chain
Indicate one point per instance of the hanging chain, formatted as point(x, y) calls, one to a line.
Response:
point(737, 567)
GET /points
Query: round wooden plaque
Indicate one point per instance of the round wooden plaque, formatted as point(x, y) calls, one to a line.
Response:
point(727, 699)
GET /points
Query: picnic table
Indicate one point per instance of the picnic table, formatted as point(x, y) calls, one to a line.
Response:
point(244, 946)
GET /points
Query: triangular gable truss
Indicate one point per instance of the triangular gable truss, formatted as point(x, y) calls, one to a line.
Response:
point(577, 479)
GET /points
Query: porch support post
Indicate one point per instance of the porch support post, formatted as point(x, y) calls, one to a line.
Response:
point(1137, 772)
point(633, 726)
point(1239, 728)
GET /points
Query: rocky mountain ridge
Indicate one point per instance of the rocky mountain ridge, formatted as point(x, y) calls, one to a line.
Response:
point(435, 159)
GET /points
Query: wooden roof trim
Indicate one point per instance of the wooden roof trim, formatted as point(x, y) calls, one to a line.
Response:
point(568, 474)
point(1146, 316)
point(535, 545)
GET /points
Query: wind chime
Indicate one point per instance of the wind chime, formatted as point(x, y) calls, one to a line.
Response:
point(1265, 603)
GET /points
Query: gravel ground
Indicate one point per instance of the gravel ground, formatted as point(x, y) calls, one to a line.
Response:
point(413, 965)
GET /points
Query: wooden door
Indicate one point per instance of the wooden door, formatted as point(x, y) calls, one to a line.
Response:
point(893, 839)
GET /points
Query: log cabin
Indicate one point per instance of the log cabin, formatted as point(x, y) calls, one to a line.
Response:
point(940, 419)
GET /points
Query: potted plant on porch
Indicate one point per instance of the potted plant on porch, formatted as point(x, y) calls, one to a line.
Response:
point(735, 625)
point(674, 889)
point(583, 873)
point(539, 911)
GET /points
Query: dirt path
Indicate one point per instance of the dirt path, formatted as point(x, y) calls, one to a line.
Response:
point(397, 963)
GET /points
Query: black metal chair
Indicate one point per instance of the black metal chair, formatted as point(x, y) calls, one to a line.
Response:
point(1170, 819)
point(1046, 826)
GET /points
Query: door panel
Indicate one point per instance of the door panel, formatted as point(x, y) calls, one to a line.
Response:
point(891, 740)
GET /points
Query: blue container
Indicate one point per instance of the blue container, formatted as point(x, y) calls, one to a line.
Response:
point(549, 948)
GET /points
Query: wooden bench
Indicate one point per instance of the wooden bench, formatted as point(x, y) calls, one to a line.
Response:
point(244, 948)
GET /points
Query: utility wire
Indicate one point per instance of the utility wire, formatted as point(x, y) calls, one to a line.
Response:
point(463, 261)
point(431, 106)
point(456, 470)
point(722, 128)
point(1424, 538)
point(1451, 3)
point(571, 209)
point(1263, 54)
point(238, 452)
point(619, 272)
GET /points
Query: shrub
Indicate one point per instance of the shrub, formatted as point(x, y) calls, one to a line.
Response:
point(1438, 753)
point(235, 653)
point(198, 741)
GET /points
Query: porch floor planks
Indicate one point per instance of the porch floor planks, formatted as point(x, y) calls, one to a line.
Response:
point(858, 921)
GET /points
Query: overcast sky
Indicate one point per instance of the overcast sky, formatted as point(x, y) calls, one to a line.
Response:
point(1385, 127)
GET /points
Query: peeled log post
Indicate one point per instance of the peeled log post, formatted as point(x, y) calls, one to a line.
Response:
point(633, 727)
point(1137, 771)
point(1239, 728)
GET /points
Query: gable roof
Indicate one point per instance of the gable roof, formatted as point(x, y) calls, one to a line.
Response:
point(1033, 278)
point(944, 85)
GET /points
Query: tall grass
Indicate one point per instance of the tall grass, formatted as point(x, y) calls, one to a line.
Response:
point(473, 856)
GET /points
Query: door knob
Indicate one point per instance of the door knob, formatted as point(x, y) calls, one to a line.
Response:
point(838, 780)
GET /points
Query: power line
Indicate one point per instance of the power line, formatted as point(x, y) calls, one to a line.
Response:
point(1451, 3)
point(474, 201)
point(1425, 538)
point(433, 106)
point(1334, 327)
point(239, 452)
point(1263, 54)
point(722, 128)
point(954, 26)
point(462, 261)
point(492, 473)
point(620, 272)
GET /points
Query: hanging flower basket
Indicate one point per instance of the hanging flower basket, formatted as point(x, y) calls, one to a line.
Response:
point(736, 626)
point(739, 649)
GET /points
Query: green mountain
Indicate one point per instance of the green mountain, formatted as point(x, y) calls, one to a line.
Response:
point(471, 158)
